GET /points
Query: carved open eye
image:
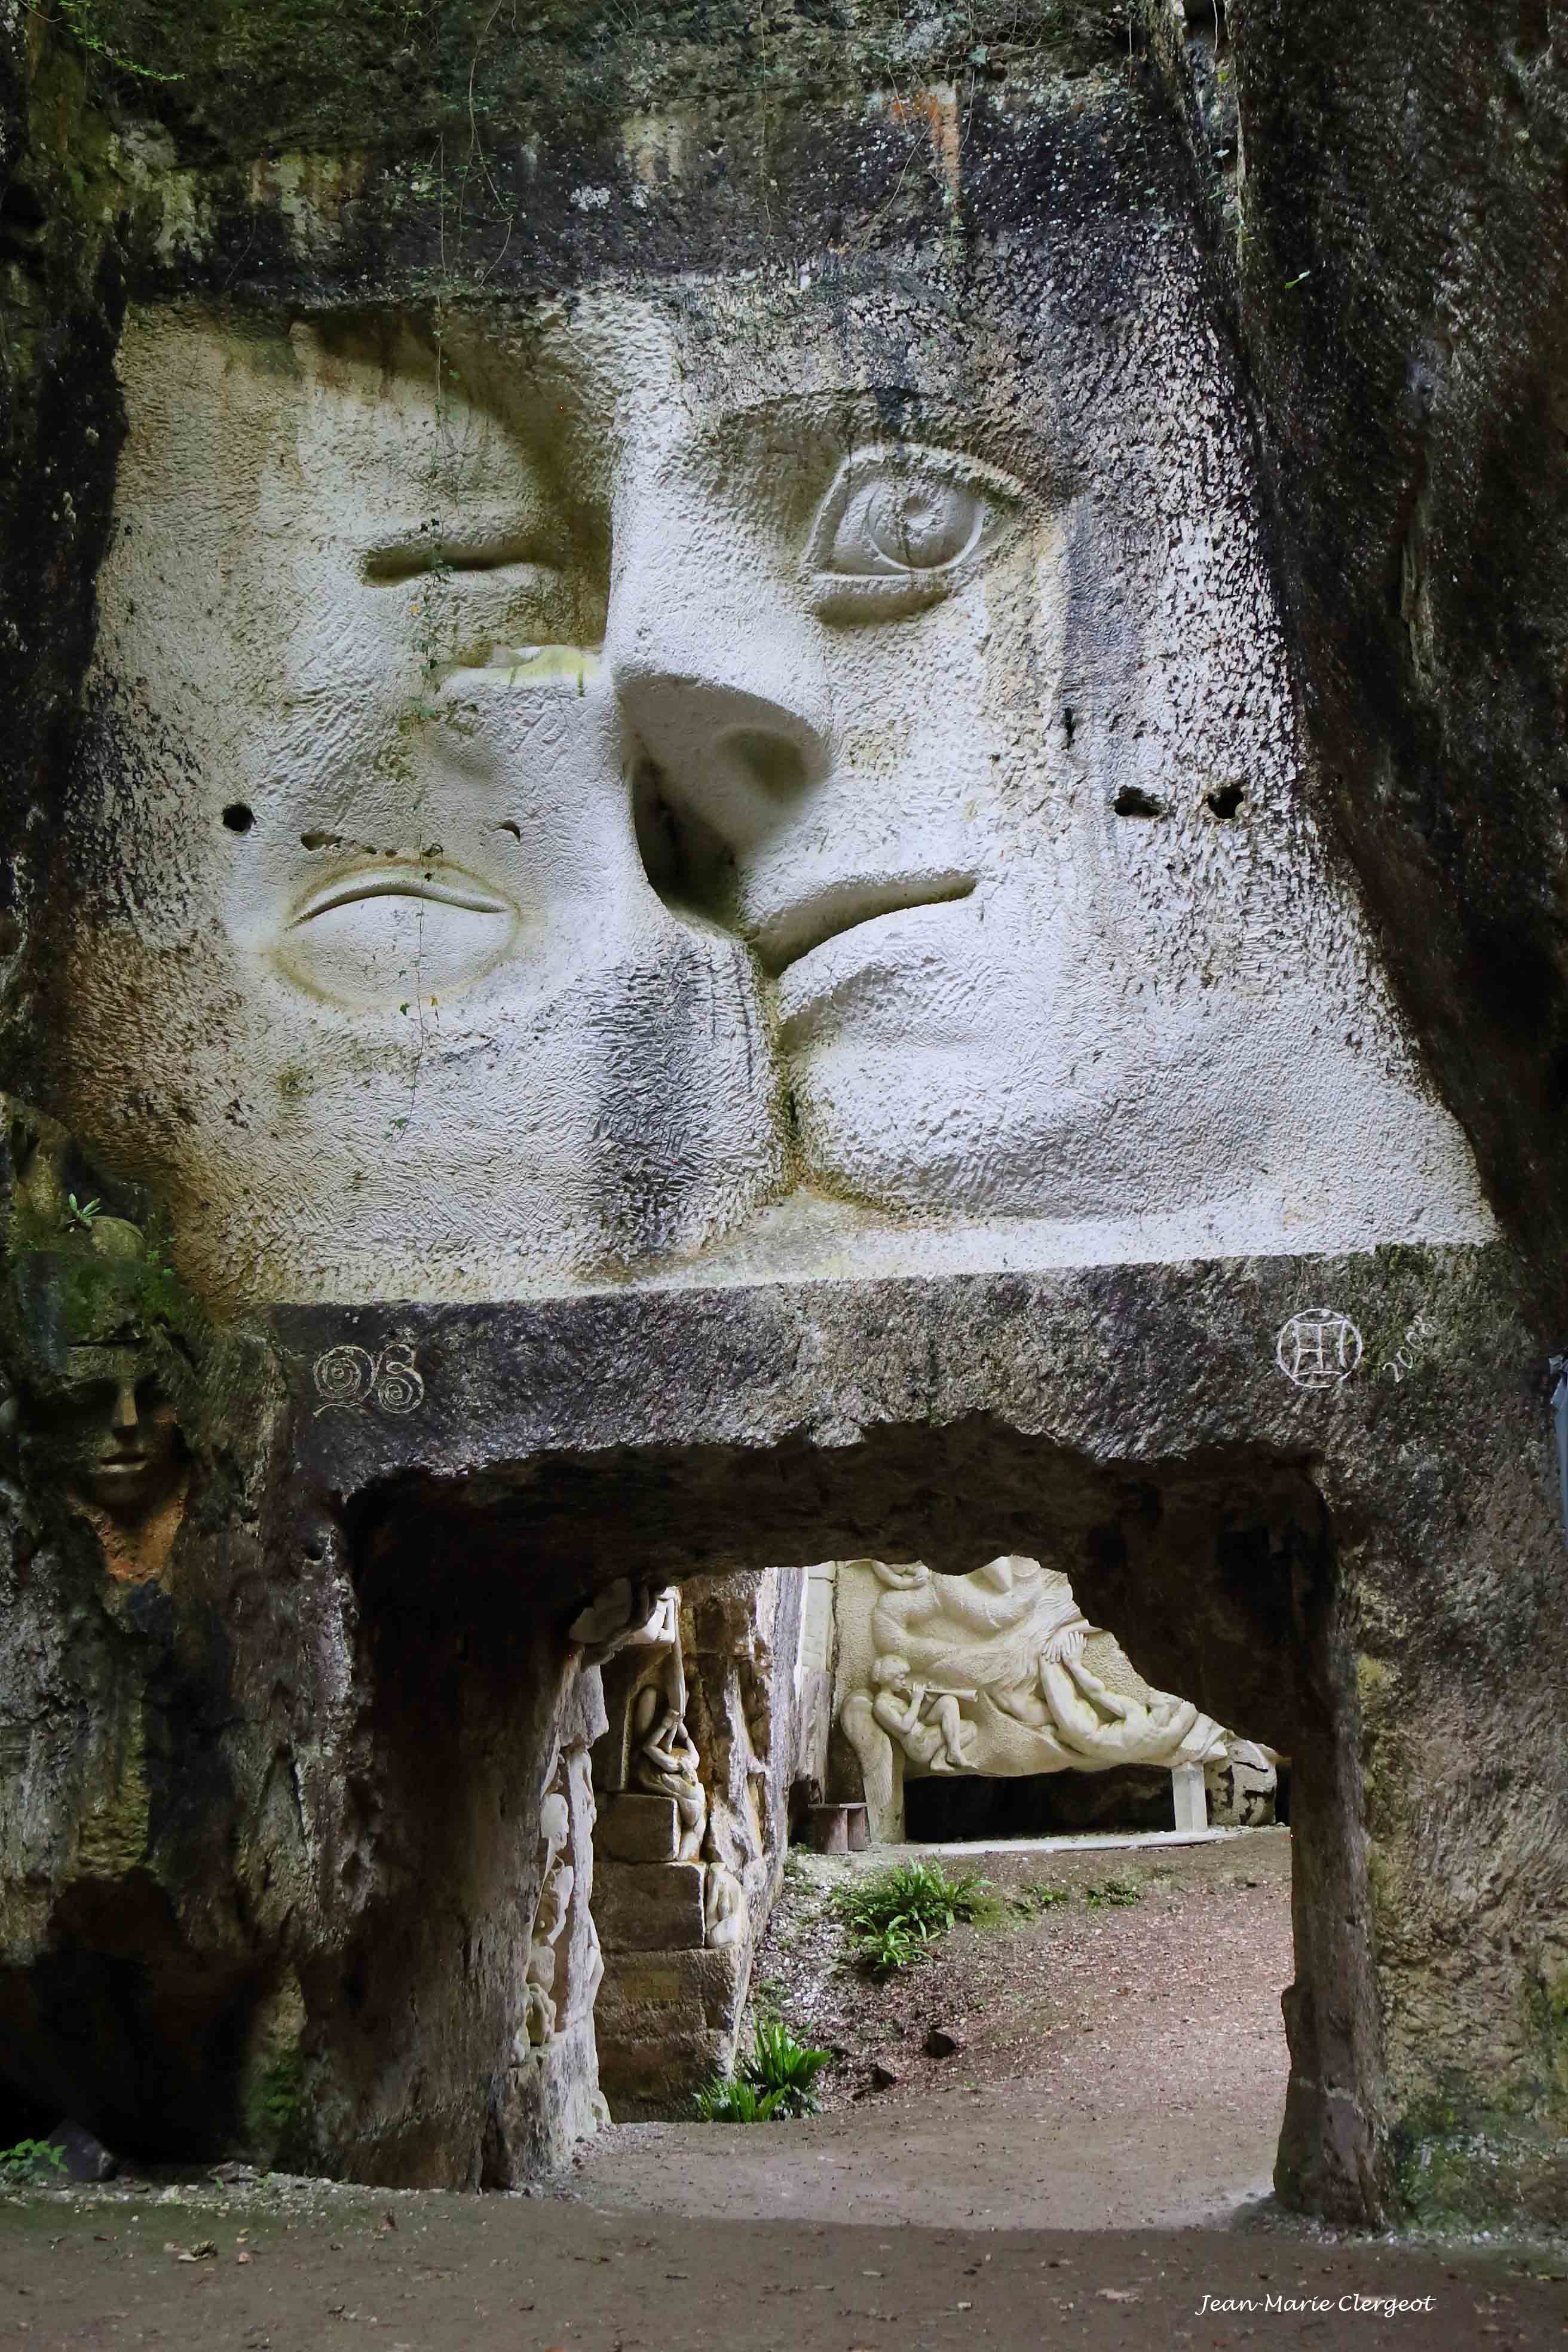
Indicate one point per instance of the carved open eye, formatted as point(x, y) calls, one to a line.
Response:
point(901, 526)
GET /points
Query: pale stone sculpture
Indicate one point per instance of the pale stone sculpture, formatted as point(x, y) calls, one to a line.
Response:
point(627, 1612)
point(995, 1672)
point(1243, 1784)
point(667, 1765)
point(720, 733)
point(560, 1982)
point(723, 1908)
point(931, 933)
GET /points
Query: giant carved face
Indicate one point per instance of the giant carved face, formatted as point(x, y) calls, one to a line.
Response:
point(805, 775)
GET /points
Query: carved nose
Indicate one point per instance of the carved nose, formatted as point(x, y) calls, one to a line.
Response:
point(718, 774)
point(124, 1416)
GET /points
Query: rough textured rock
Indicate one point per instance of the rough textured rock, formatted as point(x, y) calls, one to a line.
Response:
point(265, 1790)
point(1288, 1555)
point(1386, 204)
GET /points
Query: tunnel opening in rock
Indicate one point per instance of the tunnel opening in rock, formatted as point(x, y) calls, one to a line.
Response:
point(1127, 1928)
point(575, 1701)
point(481, 1626)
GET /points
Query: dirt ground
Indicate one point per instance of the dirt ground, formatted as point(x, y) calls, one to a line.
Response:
point(1120, 2063)
point(1084, 2172)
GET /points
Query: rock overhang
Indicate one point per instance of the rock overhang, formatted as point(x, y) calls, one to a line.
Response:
point(789, 1398)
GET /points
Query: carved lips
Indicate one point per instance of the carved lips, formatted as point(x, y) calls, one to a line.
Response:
point(871, 965)
point(387, 933)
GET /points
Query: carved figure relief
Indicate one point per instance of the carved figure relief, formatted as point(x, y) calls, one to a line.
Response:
point(666, 1764)
point(892, 831)
point(998, 1673)
point(723, 1908)
point(563, 1965)
point(550, 1916)
point(109, 1433)
point(649, 1751)
point(623, 1614)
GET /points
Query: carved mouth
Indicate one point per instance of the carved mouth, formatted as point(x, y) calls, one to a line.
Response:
point(857, 972)
point(788, 939)
point(451, 889)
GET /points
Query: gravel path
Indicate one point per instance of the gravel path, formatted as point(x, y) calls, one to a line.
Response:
point(1120, 2063)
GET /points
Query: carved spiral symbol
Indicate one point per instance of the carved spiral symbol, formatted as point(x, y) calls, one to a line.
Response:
point(343, 1375)
point(398, 1387)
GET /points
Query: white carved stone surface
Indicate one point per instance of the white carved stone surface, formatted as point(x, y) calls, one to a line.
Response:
point(996, 1673)
point(630, 809)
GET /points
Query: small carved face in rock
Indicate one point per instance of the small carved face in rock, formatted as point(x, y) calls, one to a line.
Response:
point(110, 1434)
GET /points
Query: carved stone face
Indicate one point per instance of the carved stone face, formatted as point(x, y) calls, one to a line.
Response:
point(956, 690)
point(110, 1434)
point(673, 754)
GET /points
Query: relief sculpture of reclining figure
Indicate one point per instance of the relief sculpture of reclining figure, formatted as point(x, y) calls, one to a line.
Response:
point(996, 1673)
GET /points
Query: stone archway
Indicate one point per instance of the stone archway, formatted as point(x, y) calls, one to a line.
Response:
point(1265, 1538)
point(350, 1825)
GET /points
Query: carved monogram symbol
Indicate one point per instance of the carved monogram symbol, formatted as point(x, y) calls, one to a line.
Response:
point(1318, 1349)
point(347, 1377)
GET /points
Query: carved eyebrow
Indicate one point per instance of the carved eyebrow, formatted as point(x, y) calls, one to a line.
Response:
point(416, 557)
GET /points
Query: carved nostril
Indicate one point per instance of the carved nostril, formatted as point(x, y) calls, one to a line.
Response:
point(720, 777)
point(691, 868)
point(773, 763)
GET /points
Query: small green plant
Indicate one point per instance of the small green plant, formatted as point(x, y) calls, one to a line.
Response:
point(919, 1891)
point(80, 1212)
point(729, 2099)
point(1038, 1896)
point(1116, 1892)
point(896, 1944)
point(26, 2157)
point(776, 2080)
point(783, 2069)
point(894, 1914)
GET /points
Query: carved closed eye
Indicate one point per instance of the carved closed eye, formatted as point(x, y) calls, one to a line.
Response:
point(379, 935)
point(479, 601)
point(904, 525)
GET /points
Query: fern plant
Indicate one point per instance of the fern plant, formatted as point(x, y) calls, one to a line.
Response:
point(921, 1892)
point(730, 2099)
point(775, 2081)
point(783, 2068)
point(897, 1944)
